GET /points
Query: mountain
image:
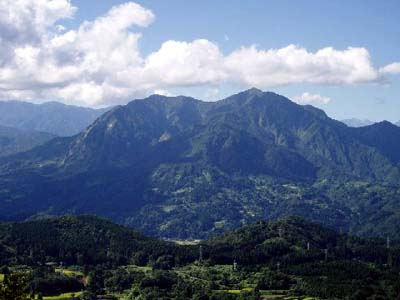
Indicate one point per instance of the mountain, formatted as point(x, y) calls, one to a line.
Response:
point(398, 124)
point(14, 140)
point(384, 136)
point(354, 122)
point(51, 117)
point(178, 167)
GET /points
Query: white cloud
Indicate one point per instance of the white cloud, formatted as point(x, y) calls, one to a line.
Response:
point(393, 68)
point(100, 62)
point(80, 65)
point(185, 64)
point(29, 20)
point(294, 64)
point(308, 98)
point(162, 93)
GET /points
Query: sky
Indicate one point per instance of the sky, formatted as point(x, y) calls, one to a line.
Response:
point(341, 56)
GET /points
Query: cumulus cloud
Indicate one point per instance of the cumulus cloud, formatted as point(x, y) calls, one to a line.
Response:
point(294, 64)
point(308, 98)
point(24, 21)
point(100, 62)
point(393, 68)
point(195, 63)
point(80, 65)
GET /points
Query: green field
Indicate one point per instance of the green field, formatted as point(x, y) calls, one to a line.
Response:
point(269, 294)
point(68, 272)
point(145, 269)
point(65, 296)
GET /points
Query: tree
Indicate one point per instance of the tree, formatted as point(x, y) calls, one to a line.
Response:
point(14, 287)
point(96, 281)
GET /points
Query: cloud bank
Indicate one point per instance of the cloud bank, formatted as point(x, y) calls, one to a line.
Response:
point(100, 62)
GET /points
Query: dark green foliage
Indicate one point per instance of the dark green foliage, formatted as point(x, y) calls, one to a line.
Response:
point(54, 284)
point(83, 240)
point(272, 258)
point(14, 287)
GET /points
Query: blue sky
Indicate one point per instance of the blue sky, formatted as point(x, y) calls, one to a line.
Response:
point(315, 24)
point(230, 25)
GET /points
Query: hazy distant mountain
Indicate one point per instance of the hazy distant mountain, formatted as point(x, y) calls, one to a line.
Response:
point(180, 167)
point(52, 117)
point(13, 140)
point(353, 122)
point(398, 123)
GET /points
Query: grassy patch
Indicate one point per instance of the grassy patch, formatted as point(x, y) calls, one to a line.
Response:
point(69, 273)
point(144, 269)
point(64, 296)
point(187, 242)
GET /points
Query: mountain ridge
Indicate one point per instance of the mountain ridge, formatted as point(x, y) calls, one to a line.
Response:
point(13, 140)
point(180, 167)
point(52, 117)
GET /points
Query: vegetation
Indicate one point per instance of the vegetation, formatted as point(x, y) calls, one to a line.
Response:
point(291, 259)
point(14, 287)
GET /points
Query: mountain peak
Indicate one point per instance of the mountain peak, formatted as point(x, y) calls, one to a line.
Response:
point(254, 91)
point(386, 123)
point(244, 96)
point(383, 125)
point(251, 93)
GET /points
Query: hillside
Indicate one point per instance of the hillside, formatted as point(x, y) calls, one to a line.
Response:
point(81, 240)
point(51, 117)
point(182, 168)
point(14, 140)
point(384, 136)
point(288, 259)
point(264, 241)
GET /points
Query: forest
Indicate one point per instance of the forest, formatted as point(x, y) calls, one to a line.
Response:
point(87, 258)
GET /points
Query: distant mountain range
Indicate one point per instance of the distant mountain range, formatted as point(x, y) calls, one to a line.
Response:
point(13, 140)
point(353, 122)
point(51, 117)
point(178, 167)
